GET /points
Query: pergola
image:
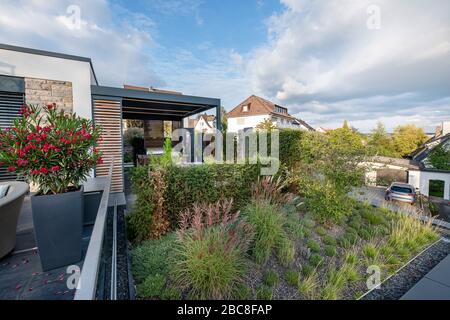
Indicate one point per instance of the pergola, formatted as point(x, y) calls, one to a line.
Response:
point(110, 105)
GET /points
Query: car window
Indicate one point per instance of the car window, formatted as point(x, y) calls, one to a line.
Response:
point(401, 189)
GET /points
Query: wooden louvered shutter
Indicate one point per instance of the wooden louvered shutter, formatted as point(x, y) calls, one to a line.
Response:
point(108, 115)
point(12, 97)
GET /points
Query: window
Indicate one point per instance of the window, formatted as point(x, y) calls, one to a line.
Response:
point(279, 109)
point(245, 108)
point(436, 188)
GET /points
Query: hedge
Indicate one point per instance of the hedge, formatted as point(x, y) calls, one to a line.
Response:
point(187, 185)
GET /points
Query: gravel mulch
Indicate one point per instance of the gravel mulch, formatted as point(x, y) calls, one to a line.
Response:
point(396, 286)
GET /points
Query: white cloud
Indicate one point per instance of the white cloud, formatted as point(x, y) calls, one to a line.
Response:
point(116, 46)
point(321, 53)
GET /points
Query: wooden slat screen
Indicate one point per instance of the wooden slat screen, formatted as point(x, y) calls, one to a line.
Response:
point(107, 114)
point(10, 103)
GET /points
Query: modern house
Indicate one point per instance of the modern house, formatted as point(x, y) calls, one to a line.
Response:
point(427, 179)
point(255, 110)
point(40, 77)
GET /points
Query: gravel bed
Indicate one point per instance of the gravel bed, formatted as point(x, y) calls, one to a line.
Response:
point(396, 286)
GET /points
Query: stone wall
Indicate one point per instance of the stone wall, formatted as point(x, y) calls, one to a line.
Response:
point(44, 91)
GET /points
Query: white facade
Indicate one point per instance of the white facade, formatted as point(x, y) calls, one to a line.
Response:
point(238, 123)
point(204, 126)
point(421, 181)
point(29, 65)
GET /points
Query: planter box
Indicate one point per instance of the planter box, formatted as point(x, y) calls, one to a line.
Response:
point(91, 204)
point(58, 222)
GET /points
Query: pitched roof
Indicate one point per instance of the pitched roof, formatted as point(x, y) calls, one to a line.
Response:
point(303, 123)
point(424, 150)
point(208, 118)
point(256, 106)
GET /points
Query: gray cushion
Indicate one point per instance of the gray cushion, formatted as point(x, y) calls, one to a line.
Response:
point(3, 190)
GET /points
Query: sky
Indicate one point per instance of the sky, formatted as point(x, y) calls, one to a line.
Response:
point(326, 60)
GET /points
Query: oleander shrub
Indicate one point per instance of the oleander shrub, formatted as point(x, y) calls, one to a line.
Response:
point(211, 257)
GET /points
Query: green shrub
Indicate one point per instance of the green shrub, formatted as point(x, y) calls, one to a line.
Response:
point(308, 223)
point(171, 293)
point(271, 278)
point(268, 226)
point(326, 202)
point(264, 293)
point(290, 148)
point(344, 243)
point(307, 269)
point(313, 245)
point(292, 277)
point(321, 231)
point(330, 251)
point(285, 251)
point(329, 240)
point(153, 257)
point(308, 286)
point(364, 233)
point(185, 186)
point(243, 292)
point(153, 286)
point(316, 260)
point(190, 184)
point(211, 260)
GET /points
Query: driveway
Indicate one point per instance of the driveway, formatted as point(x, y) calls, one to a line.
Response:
point(375, 196)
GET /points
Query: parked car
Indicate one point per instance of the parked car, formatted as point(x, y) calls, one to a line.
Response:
point(401, 192)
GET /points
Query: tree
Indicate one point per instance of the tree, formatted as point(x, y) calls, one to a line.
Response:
point(267, 124)
point(381, 143)
point(408, 138)
point(346, 139)
point(439, 158)
point(223, 119)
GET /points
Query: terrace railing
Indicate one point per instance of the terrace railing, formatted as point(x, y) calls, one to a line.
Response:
point(100, 260)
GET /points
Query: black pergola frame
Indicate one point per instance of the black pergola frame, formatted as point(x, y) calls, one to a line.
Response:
point(149, 105)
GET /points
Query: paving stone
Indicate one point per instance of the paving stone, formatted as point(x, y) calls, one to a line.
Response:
point(428, 289)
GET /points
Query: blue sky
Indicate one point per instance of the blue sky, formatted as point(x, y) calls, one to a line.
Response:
point(319, 58)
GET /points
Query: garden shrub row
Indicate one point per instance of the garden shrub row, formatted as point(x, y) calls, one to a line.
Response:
point(184, 186)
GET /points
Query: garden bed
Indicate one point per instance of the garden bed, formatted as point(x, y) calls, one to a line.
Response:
point(400, 283)
point(328, 260)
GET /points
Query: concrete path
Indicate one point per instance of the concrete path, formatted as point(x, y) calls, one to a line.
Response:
point(434, 286)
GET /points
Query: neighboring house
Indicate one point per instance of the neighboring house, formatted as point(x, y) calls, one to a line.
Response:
point(255, 110)
point(323, 130)
point(40, 77)
point(204, 123)
point(428, 180)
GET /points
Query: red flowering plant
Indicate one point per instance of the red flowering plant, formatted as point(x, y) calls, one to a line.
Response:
point(54, 150)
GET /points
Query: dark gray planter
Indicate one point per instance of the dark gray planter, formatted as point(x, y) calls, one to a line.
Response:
point(91, 204)
point(58, 223)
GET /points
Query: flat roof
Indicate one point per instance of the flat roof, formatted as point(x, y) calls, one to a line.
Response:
point(150, 105)
point(49, 54)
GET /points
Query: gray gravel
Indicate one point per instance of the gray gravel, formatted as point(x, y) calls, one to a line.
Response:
point(396, 286)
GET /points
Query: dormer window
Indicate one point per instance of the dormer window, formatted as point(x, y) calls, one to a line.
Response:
point(279, 109)
point(245, 108)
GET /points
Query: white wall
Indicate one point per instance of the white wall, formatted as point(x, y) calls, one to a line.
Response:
point(235, 124)
point(420, 180)
point(21, 64)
